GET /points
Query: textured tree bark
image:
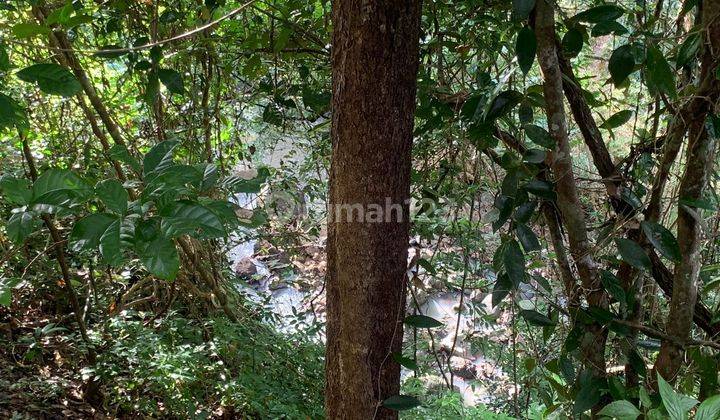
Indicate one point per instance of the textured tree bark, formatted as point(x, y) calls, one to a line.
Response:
point(701, 147)
point(374, 70)
point(593, 348)
point(680, 319)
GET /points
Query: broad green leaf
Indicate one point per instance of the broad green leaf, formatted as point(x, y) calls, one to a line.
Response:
point(536, 318)
point(621, 64)
point(677, 405)
point(110, 244)
point(502, 288)
point(709, 409)
point(688, 50)
point(527, 238)
point(572, 42)
point(589, 393)
point(660, 76)
point(172, 80)
point(401, 402)
point(405, 362)
point(534, 156)
point(29, 29)
point(612, 285)
point(159, 157)
point(503, 104)
point(59, 188)
point(541, 189)
point(539, 136)
point(152, 89)
point(119, 152)
point(86, 232)
point(608, 27)
point(160, 257)
point(11, 113)
point(525, 48)
point(113, 195)
point(51, 78)
point(522, 8)
point(20, 226)
point(422, 321)
point(599, 14)
point(514, 262)
point(632, 253)
point(6, 287)
point(617, 119)
point(622, 410)
point(15, 190)
point(186, 217)
point(663, 240)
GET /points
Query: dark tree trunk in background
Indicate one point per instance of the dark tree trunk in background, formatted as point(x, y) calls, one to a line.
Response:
point(374, 70)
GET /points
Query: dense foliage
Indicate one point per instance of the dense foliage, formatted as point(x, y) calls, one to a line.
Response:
point(142, 141)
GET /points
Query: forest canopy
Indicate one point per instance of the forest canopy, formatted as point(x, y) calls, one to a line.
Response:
point(313, 209)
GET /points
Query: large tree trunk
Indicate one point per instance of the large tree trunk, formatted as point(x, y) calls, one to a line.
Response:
point(374, 62)
point(568, 202)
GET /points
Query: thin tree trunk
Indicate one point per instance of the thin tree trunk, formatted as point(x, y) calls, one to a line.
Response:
point(700, 158)
point(375, 62)
point(567, 196)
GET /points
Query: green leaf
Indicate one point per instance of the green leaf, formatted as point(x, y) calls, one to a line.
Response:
point(525, 48)
point(660, 77)
point(612, 285)
point(622, 410)
point(4, 58)
point(599, 14)
point(112, 193)
point(589, 393)
point(422, 321)
point(160, 257)
point(15, 190)
point(521, 9)
point(503, 104)
point(191, 218)
point(514, 262)
point(51, 78)
point(6, 287)
point(525, 113)
point(29, 29)
point(608, 27)
point(617, 119)
point(20, 226)
point(677, 405)
point(709, 409)
point(11, 113)
point(57, 188)
point(159, 157)
point(152, 89)
point(401, 402)
point(502, 288)
point(688, 50)
point(405, 362)
point(541, 189)
point(621, 64)
point(663, 240)
point(534, 156)
point(527, 238)
point(119, 152)
point(539, 136)
point(632, 253)
point(110, 245)
point(86, 232)
point(572, 42)
point(172, 80)
point(536, 318)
